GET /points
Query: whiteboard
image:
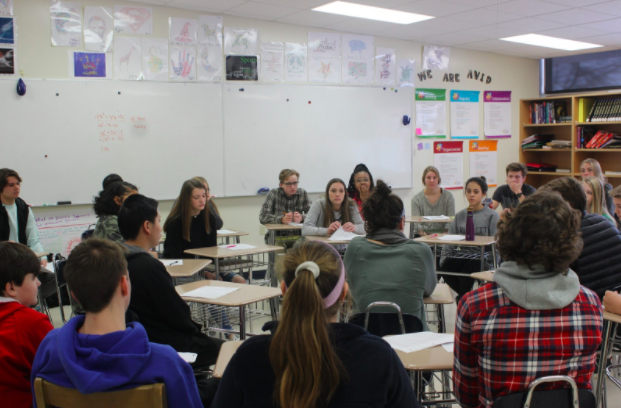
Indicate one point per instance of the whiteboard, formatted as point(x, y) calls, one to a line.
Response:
point(170, 132)
point(320, 131)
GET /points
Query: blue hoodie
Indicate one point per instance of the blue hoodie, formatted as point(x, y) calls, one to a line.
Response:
point(113, 361)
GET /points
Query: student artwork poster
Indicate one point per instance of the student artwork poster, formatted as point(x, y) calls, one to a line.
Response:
point(209, 66)
point(464, 114)
point(155, 59)
point(358, 47)
point(436, 57)
point(6, 7)
point(385, 66)
point(127, 58)
point(324, 70)
point(358, 71)
point(240, 41)
point(484, 160)
point(324, 45)
point(133, 20)
point(7, 30)
point(272, 61)
point(497, 114)
point(448, 158)
point(209, 31)
point(182, 31)
point(430, 113)
point(66, 23)
point(406, 69)
point(98, 29)
point(90, 65)
point(295, 62)
point(182, 63)
point(7, 61)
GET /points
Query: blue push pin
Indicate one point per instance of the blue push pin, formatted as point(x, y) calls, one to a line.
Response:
point(21, 87)
point(406, 120)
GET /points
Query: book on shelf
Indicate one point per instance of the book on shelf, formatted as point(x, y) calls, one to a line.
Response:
point(548, 112)
point(541, 167)
point(613, 173)
point(558, 144)
point(604, 110)
point(563, 171)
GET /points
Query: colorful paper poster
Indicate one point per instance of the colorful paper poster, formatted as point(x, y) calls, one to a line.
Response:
point(497, 114)
point(464, 114)
point(324, 45)
point(295, 62)
point(127, 58)
point(436, 57)
point(91, 65)
point(209, 65)
point(7, 61)
point(448, 158)
point(7, 30)
point(6, 7)
point(133, 20)
point(155, 59)
point(66, 20)
point(209, 30)
point(406, 69)
point(484, 160)
point(272, 61)
point(98, 29)
point(182, 63)
point(385, 66)
point(358, 47)
point(241, 41)
point(182, 31)
point(324, 70)
point(357, 71)
point(430, 113)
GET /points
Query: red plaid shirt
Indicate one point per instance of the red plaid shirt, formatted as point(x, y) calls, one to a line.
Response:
point(500, 347)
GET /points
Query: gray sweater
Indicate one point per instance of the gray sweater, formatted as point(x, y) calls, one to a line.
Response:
point(422, 207)
point(402, 273)
point(313, 224)
point(485, 221)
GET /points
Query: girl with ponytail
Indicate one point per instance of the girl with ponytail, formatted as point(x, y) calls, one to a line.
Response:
point(311, 360)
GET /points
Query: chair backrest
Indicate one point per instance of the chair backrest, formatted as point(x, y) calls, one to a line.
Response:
point(384, 324)
point(60, 272)
point(558, 398)
point(49, 395)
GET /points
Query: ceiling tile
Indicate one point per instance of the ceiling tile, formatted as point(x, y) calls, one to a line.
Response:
point(609, 26)
point(378, 3)
point(435, 8)
point(611, 40)
point(447, 25)
point(410, 32)
point(264, 10)
point(196, 8)
point(493, 31)
point(610, 7)
point(208, 4)
point(153, 2)
point(572, 33)
point(528, 7)
point(301, 4)
point(450, 39)
point(313, 18)
point(575, 3)
point(484, 16)
point(490, 45)
point(532, 25)
point(575, 16)
point(359, 25)
point(478, 3)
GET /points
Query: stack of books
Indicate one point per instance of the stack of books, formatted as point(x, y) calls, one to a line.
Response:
point(536, 141)
point(605, 110)
point(558, 144)
point(603, 140)
point(549, 112)
point(541, 167)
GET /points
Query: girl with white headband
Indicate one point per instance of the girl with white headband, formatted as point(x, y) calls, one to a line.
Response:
point(312, 360)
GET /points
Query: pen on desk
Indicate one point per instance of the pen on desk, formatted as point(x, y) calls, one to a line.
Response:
point(172, 263)
point(231, 246)
point(433, 235)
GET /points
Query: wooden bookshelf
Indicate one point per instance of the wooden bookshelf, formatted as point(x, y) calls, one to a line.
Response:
point(609, 159)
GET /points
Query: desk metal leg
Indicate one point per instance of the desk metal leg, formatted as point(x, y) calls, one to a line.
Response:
point(603, 357)
point(435, 254)
point(419, 387)
point(482, 258)
point(274, 308)
point(242, 322)
point(411, 230)
point(271, 269)
point(441, 320)
point(217, 266)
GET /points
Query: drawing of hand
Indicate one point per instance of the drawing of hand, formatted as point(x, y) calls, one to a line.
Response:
point(185, 64)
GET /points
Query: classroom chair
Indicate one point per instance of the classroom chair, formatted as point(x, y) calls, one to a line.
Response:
point(46, 289)
point(88, 233)
point(49, 395)
point(60, 284)
point(385, 324)
point(559, 398)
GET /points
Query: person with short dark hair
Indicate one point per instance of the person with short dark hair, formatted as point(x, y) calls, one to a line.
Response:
point(107, 206)
point(360, 185)
point(599, 263)
point(99, 352)
point(515, 191)
point(21, 328)
point(534, 320)
point(111, 178)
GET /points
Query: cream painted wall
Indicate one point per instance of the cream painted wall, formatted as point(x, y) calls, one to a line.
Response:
point(36, 58)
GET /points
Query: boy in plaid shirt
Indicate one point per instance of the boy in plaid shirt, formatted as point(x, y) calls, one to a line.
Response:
point(535, 320)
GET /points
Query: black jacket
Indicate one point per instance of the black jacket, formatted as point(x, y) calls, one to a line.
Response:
point(377, 377)
point(599, 264)
point(199, 238)
point(22, 221)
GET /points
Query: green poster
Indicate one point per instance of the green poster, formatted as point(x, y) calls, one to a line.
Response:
point(430, 113)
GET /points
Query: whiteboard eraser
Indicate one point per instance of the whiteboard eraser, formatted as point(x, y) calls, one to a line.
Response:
point(263, 191)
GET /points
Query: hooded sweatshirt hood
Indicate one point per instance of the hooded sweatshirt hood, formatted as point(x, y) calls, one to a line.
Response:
point(537, 289)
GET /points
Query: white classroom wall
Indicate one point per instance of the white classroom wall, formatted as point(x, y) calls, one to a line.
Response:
point(36, 58)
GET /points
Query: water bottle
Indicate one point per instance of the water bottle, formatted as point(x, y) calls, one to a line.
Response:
point(470, 225)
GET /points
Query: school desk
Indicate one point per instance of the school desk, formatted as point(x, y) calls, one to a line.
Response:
point(419, 219)
point(611, 320)
point(224, 238)
point(245, 295)
point(441, 296)
point(227, 351)
point(326, 239)
point(188, 271)
point(479, 242)
point(487, 276)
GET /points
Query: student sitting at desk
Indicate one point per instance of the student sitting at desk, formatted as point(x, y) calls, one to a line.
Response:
point(534, 320)
point(360, 186)
point(311, 360)
point(387, 266)
point(285, 204)
point(591, 168)
point(22, 328)
point(99, 352)
point(485, 220)
point(599, 263)
point(107, 206)
point(165, 316)
point(515, 191)
point(596, 202)
point(433, 200)
point(333, 211)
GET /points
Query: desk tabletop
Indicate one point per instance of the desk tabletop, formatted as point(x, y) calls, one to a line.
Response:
point(189, 267)
point(226, 354)
point(221, 253)
point(246, 294)
point(232, 234)
point(487, 276)
point(479, 241)
point(613, 317)
point(435, 358)
point(281, 227)
point(441, 295)
point(419, 218)
point(327, 240)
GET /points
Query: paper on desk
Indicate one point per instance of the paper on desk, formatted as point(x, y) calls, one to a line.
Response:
point(209, 292)
point(449, 347)
point(452, 237)
point(223, 231)
point(50, 266)
point(342, 235)
point(187, 357)
point(169, 262)
point(296, 224)
point(237, 247)
point(436, 217)
point(409, 343)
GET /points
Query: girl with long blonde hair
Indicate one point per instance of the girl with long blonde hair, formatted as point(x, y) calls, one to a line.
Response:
point(596, 203)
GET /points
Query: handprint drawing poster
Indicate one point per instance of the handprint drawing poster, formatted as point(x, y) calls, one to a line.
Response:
point(182, 63)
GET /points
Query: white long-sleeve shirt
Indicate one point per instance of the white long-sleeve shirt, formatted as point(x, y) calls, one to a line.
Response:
point(32, 233)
